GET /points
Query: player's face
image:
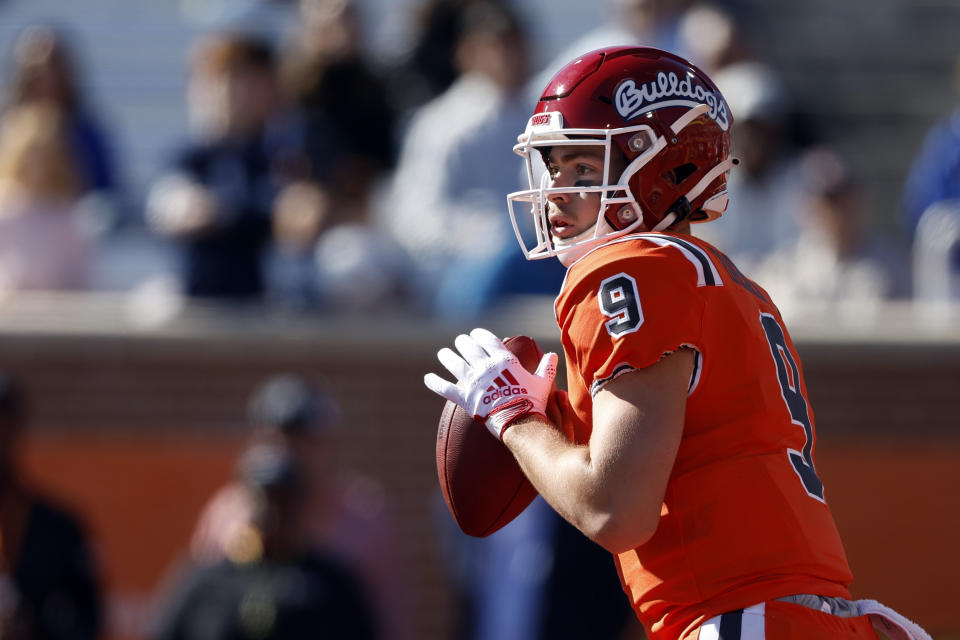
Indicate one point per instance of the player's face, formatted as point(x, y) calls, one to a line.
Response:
point(570, 214)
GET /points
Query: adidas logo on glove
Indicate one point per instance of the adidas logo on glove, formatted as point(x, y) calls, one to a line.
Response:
point(507, 386)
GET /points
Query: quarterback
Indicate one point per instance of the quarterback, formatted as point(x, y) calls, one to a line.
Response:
point(687, 443)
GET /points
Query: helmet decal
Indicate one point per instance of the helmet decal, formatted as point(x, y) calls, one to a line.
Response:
point(632, 101)
point(541, 119)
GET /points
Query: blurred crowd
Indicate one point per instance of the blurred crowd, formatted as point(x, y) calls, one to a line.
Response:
point(313, 178)
point(296, 545)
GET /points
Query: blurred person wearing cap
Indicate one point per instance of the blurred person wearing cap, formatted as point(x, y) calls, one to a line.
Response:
point(837, 262)
point(273, 583)
point(49, 583)
point(346, 512)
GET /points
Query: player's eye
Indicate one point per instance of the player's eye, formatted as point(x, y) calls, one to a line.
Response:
point(586, 175)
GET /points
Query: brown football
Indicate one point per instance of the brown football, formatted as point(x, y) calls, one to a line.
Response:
point(481, 482)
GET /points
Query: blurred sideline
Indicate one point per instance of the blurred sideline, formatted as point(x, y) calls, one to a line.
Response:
point(142, 429)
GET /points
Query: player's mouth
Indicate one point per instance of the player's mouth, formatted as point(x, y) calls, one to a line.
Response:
point(561, 227)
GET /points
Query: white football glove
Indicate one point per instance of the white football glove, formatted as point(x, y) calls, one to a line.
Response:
point(491, 382)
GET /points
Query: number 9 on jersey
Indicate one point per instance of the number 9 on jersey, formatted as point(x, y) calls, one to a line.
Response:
point(620, 302)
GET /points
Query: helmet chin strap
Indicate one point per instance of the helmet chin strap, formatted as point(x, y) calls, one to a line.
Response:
point(665, 223)
point(681, 209)
point(709, 177)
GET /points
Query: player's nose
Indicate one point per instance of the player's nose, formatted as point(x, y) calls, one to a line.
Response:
point(559, 182)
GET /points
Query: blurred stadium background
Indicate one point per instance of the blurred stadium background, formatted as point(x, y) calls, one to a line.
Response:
point(138, 402)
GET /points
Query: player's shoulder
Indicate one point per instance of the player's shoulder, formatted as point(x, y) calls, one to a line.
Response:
point(660, 256)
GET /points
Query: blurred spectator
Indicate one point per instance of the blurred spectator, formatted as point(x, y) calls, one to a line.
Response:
point(341, 106)
point(43, 244)
point(935, 173)
point(446, 204)
point(428, 67)
point(767, 187)
point(359, 268)
point(301, 212)
point(44, 71)
point(649, 23)
point(710, 36)
point(836, 260)
point(349, 121)
point(346, 512)
point(932, 191)
point(217, 197)
point(936, 253)
point(327, 255)
point(49, 588)
point(272, 584)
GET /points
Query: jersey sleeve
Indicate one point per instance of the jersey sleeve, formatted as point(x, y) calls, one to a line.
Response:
point(625, 307)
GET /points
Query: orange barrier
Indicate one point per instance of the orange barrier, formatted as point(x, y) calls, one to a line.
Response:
point(138, 498)
point(898, 509)
point(895, 502)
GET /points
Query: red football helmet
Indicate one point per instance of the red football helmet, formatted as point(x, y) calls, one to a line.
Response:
point(662, 113)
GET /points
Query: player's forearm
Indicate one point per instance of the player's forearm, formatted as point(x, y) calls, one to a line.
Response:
point(572, 483)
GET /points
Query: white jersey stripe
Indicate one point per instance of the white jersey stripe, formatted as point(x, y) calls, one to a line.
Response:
point(707, 273)
point(753, 624)
point(710, 630)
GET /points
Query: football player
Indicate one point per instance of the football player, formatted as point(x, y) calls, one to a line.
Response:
point(687, 440)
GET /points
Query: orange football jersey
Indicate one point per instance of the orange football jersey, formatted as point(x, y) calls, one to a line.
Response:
point(744, 518)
